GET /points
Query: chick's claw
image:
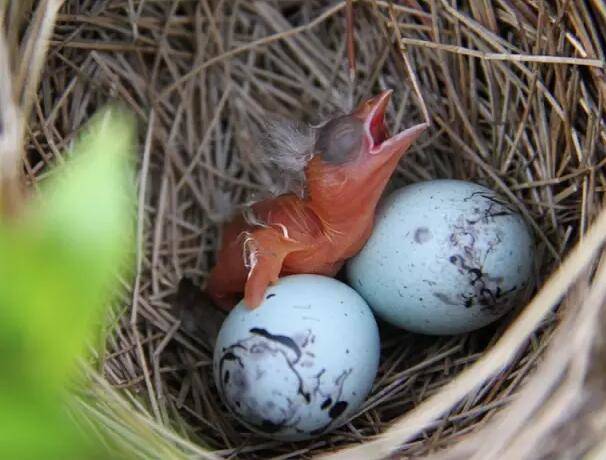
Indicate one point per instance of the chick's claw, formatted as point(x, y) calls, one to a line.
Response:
point(266, 256)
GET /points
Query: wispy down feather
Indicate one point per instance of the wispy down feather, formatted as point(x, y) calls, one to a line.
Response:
point(287, 143)
point(285, 147)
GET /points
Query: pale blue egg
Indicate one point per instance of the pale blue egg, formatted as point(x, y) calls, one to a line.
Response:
point(445, 257)
point(300, 364)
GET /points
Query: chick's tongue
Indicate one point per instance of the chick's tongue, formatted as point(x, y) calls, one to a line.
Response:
point(378, 130)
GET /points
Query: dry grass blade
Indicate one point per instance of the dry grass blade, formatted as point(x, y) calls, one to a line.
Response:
point(121, 425)
point(11, 139)
point(21, 73)
point(505, 56)
point(34, 52)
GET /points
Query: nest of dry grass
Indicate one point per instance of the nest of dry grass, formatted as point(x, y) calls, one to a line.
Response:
point(515, 93)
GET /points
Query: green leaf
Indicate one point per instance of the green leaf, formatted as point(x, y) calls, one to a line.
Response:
point(33, 428)
point(58, 268)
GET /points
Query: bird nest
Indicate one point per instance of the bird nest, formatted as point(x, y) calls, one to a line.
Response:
point(515, 95)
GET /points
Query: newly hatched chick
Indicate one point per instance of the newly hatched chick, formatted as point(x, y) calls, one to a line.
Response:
point(348, 165)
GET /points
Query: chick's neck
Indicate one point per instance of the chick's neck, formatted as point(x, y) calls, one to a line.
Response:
point(345, 197)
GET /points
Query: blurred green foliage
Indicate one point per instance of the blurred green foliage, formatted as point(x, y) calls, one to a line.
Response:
point(59, 263)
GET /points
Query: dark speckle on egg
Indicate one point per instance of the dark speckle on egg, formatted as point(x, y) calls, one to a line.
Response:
point(326, 403)
point(338, 409)
point(422, 235)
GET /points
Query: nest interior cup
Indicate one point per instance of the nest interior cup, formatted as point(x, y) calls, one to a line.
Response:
point(515, 94)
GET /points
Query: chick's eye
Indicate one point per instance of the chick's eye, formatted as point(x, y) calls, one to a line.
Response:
point(339, 140)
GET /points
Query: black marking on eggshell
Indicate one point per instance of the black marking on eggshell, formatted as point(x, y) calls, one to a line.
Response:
point(476, 275)
point(300, 390)
point(338, 409)
point(287, 410)
point(230, 356)
point(340, 381)
point(304, 339)
point(318, 378)
point(445, 298)
point(492, 198)
point(269, 296)
point(282, 339)
point(495, 208)
point(487, 290)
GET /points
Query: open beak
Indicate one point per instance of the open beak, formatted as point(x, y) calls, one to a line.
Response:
point(402, 141)
point(372, 112)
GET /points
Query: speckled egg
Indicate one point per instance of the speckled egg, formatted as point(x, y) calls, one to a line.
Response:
point(300, 364)
point(445, 257)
